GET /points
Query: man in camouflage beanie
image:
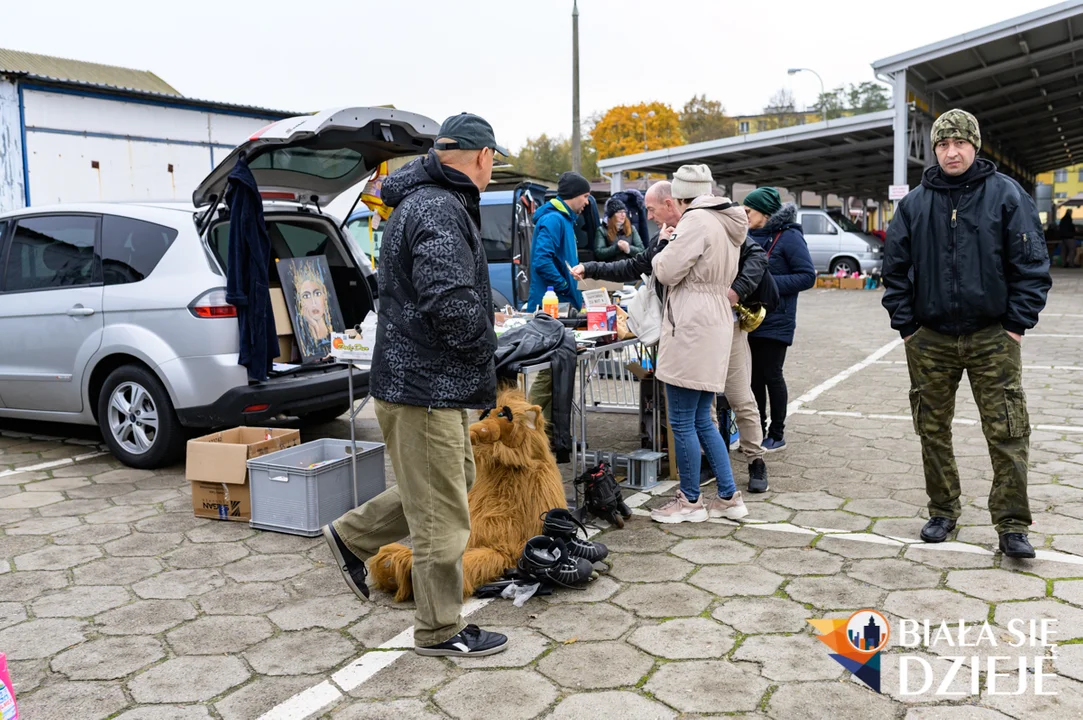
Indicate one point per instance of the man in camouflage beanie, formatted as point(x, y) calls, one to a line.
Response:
point(957, 124)
point(966, 273)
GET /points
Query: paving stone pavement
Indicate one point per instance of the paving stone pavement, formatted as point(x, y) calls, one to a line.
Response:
point(115, 602)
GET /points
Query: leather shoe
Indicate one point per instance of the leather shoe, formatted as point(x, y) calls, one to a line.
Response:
point(937, 529)
point(1016, 545)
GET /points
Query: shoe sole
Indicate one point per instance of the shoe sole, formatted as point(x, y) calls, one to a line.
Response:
point(757, 490)
point(341, 562)
point(1019, 556)
point(774, 450)
point(442, 652)
point(732, 514)
point(675, 519)
point(934, 541)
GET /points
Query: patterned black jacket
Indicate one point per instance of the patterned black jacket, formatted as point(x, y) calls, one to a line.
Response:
point(435, 338)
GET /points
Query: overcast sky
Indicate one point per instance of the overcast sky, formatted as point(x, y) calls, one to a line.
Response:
point(507, 60)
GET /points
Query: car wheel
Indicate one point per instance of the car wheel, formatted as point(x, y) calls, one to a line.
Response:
point(848, 264)
point(322, 417)
point(137, 419)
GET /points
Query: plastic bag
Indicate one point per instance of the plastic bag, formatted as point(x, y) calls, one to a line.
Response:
point(519, 594)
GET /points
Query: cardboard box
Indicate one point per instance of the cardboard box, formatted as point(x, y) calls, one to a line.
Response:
point(285, 349)
point(852, 283)
point(217, 469)
point(602, 318)
point(283, 325)
point(827, 281)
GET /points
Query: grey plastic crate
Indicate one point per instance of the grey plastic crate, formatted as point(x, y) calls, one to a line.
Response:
point(289, 496)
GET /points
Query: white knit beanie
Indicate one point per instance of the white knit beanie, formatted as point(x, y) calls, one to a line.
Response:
point(691, 181)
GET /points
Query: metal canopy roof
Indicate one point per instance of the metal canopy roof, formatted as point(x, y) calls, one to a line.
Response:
point(1021, 78)
point(851, 155)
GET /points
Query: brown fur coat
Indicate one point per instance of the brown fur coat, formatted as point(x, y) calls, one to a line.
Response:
point(517, 481)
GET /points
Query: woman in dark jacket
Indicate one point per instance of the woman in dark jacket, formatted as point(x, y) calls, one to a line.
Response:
point(616, 239)
point(1067, 240)
point(774, 226)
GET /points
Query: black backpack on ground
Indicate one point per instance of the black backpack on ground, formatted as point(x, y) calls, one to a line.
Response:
point(602, 495)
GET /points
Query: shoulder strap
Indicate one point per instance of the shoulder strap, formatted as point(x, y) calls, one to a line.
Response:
point(774, 242)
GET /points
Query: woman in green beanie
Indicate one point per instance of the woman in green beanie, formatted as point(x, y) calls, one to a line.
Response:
point(774, 226)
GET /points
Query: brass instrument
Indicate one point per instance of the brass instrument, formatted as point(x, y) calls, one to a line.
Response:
point(749, 319)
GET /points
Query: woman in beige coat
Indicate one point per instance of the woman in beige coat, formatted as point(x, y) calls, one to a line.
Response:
point(696, 268)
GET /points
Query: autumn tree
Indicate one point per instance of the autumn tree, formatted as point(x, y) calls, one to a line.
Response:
point(618, 133)
point(702, 119)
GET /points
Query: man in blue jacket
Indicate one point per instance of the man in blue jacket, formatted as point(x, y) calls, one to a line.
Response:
point(552, 251)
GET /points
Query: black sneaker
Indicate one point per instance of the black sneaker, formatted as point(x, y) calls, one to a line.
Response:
point(1016, 545)
point(352, 567)
point(471, 641)
point(757, 476)
point(937, 529)
point(560, 524)
point(548, 561)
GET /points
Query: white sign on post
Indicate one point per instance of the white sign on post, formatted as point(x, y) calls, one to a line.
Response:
point(897, 192)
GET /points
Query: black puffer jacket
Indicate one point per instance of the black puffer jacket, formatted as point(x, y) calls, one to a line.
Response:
point(963, 256)
point(435, 339)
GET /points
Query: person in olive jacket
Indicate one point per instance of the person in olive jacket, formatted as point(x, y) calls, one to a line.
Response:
point(966, 273)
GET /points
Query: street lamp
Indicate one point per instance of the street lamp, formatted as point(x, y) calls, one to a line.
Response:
point(823, 106)
point(649, 115)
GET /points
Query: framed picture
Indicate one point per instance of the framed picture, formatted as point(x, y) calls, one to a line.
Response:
point(312, 304)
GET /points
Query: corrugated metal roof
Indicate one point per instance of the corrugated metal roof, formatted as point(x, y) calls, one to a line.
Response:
point(15, 61)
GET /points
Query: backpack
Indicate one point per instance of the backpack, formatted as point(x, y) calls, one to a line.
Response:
point(645, 312)
point(602, 495)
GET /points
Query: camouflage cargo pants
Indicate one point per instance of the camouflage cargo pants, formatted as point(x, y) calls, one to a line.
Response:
point(993, 363)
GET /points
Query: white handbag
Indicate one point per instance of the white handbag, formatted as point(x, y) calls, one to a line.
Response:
point(645, 312)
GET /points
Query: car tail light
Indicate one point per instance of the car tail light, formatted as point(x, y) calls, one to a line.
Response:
point(212, 304)
point(276, 195)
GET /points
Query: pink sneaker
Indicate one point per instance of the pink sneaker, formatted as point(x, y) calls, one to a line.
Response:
point(732, 509)
point(679, 510)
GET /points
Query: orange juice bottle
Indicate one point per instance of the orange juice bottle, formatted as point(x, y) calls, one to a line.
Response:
point(550, 302)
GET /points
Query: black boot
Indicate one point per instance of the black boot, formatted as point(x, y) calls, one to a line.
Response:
point(548, 561)
point(757, 476)
point(937, 529)
point(560, 524)
point(1016, 545)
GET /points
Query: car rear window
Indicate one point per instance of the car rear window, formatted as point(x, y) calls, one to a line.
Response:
point(131, 249)
point(329, 164)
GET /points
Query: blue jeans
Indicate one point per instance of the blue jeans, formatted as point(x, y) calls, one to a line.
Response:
point(690, 419)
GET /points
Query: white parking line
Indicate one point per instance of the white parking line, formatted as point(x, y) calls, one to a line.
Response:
point(832, 382)
point(52, 464)
point(1071, 429)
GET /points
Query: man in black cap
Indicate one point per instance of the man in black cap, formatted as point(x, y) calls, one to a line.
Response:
point(552, 251)
point(433, 361)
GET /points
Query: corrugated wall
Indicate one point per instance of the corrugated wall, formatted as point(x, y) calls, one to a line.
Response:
point(12, 193)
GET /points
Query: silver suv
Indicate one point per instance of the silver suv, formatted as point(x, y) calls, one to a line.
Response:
point(115, 314)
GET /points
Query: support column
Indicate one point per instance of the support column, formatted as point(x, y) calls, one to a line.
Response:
point(616, 182)
point(901, 127)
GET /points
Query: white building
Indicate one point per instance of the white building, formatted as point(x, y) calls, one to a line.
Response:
point(73, 131)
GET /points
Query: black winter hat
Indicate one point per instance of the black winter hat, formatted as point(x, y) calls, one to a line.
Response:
point(614, 206)
point(572, 184)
